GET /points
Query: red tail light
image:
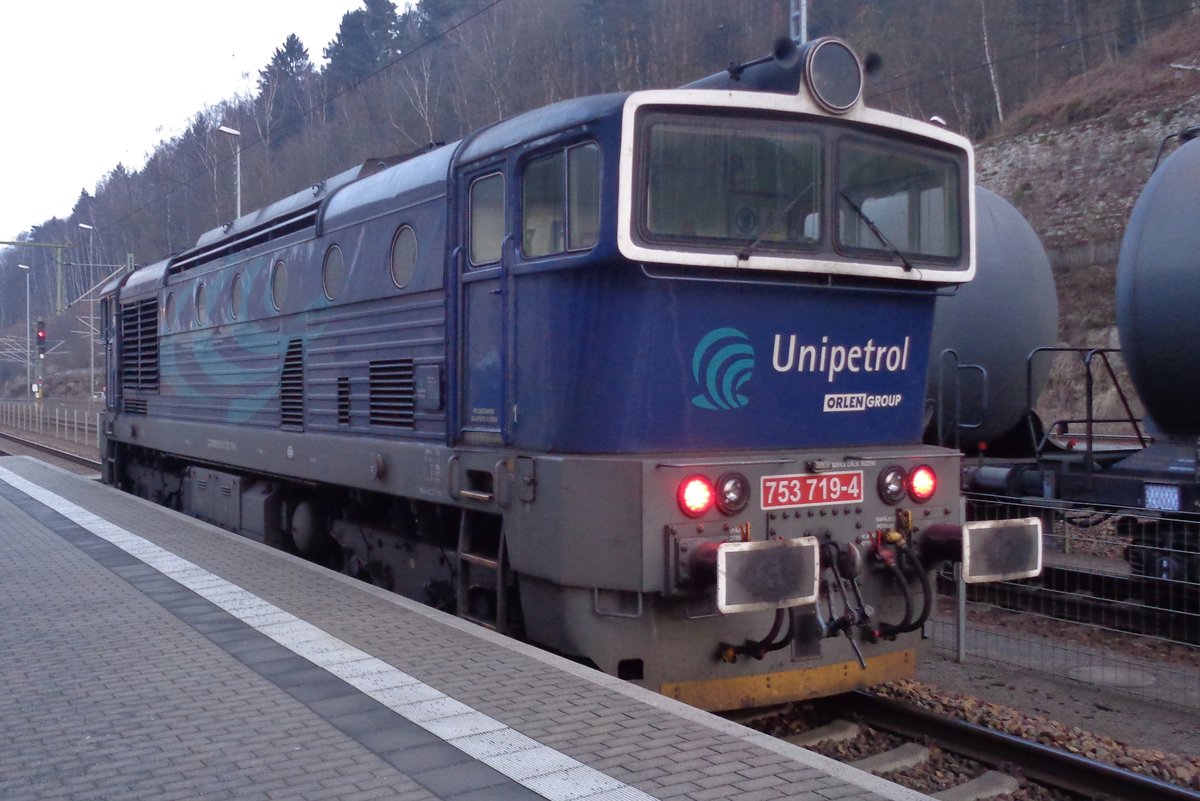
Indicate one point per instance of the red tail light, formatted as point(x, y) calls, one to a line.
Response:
point(922, 483)
point(696, 496)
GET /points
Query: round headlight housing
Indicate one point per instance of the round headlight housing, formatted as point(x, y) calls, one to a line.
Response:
point(893, 484)
point(733, 493)
point(833, 75)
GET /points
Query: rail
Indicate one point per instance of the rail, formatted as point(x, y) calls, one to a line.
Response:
point(1048, 766)
point(69, 456)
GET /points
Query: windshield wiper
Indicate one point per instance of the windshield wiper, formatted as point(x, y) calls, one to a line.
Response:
point(879, 234)
point(744, 253)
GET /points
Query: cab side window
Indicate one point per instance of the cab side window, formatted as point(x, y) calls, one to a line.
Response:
point(560, 201)
point(487, 220)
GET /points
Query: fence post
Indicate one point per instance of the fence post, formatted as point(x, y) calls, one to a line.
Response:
point(960, 617)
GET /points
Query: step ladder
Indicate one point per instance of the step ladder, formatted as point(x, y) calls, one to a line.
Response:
point(483, 568)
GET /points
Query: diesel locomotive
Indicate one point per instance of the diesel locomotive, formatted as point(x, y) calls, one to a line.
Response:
point(638, 377)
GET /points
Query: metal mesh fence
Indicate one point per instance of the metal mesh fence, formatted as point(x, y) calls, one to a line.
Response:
point(1118, 602)
point(75, 424)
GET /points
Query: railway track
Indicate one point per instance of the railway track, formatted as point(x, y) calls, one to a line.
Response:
point(49, 450)
point(1000, 763)
point(1050, 767)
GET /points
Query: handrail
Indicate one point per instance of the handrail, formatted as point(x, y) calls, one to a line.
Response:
point(1087, 356)
point(984, 397)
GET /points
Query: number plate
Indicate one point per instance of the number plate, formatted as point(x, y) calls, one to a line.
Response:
point(811, 489)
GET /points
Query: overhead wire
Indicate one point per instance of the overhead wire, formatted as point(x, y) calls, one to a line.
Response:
point(352, 86)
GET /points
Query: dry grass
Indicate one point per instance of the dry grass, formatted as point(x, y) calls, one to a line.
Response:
point(1143, 80)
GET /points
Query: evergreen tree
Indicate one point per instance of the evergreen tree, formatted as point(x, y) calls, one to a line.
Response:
point(366, 40)
point(284, 90)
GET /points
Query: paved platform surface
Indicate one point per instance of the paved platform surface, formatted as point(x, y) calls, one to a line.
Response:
point(147, 655)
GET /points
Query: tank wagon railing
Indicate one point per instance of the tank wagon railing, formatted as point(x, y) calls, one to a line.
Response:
point(1101, 613)
point(954, 385)
point(77, 424)
point(1061, 428)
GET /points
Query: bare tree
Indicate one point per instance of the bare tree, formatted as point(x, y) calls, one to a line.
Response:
point(991, 64)
point(421, 83)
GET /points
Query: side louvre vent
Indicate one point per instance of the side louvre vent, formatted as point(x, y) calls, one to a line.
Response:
point(392, 393)
point(291, 387)
point(343, 401)
point(139, 346)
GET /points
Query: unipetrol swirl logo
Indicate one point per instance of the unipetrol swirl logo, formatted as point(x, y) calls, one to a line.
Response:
point(722, 363)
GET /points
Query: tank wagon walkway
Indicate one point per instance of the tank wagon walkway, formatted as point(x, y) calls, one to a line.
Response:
point(148, 655)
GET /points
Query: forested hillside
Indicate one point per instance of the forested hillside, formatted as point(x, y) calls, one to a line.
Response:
point(392, 81)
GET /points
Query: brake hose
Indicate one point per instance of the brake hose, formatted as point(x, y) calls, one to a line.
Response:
point(889, 630)
point(926, 588)
point(766, 645)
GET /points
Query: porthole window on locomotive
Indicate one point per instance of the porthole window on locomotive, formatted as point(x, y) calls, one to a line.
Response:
point(235, 295)
point(333, 273)
point(278, 285)
point(487, 219)
point(201, 303)
point(404, 256)
point(169, 312)
point(560, 201)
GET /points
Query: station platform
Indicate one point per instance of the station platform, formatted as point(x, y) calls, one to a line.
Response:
point(144, 654)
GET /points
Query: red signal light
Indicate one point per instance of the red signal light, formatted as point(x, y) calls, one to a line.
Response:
point(922, 483)
point(696, 496)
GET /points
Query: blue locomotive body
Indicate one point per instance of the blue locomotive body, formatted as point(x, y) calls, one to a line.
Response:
point(765, 367)
point(610, 355)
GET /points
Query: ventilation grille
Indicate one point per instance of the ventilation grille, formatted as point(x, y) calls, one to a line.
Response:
point(343, 401)
point(134, 405)
point(291, 387)
point(139, 346)
point(392, 393)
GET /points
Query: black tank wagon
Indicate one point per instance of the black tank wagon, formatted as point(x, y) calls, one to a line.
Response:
point(1142, 474)
point(637, 377)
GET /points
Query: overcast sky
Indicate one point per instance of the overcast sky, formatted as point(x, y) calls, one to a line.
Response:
point(88, 84)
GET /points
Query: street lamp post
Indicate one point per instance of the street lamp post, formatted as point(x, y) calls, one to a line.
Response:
point(237, 163)
point(91, 317)
point(28, 349)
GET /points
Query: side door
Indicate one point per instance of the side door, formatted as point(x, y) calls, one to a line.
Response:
point(483, 324)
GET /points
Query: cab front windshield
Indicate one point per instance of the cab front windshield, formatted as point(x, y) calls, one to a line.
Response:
point(772, 184)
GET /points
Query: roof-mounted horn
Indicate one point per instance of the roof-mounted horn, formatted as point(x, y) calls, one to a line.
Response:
point(827, 68)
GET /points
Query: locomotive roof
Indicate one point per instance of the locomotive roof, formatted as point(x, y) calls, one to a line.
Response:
point(310, 196)
point(418, 178)
point(301, 208)
point(538, 123)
